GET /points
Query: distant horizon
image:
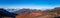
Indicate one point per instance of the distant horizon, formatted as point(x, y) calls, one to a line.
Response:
point(30, 8)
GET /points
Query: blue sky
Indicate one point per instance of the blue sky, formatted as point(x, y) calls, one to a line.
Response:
point(33, 4)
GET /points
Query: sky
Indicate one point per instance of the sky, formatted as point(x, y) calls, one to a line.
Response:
point(32, 4)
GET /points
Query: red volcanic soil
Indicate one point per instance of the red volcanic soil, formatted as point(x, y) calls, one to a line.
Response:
point(30, 15)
